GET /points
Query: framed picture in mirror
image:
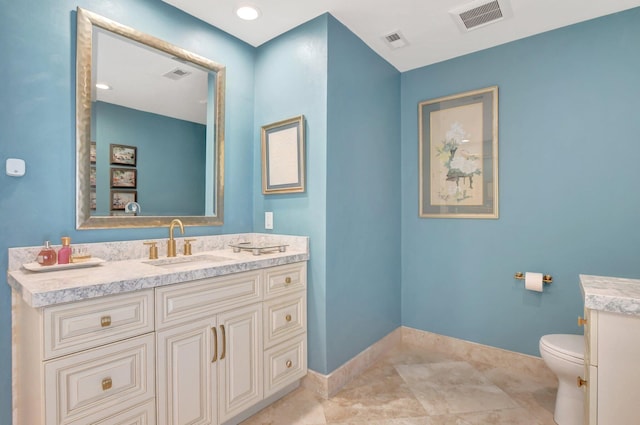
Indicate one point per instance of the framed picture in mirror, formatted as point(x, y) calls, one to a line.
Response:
point(123, 155)
point(119, 199)
point(123, 178)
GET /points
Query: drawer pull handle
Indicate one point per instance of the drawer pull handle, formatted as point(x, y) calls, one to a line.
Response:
point(107, 383)
point(287, 317)
point(581, 382)
point(224, 342)
point(287, 280)
point(289, 364)
point(581, 321)
point(215, 344)
point(105, 321)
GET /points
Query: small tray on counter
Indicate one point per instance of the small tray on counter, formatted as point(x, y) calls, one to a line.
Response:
point(259, 248)
point(36, 267)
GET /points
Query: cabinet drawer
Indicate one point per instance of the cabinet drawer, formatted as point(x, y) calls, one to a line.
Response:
point(284, 317)
point(189, 301)
point(92, 385)
point(69, 328)
point(285, 279)
point(284, 364)
point(144, 414)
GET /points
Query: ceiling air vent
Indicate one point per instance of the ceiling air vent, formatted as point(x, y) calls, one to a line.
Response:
point(477, 14)
point(395, 40)
point(176, 74)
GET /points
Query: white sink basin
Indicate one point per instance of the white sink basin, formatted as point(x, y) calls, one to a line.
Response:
point(186, 261)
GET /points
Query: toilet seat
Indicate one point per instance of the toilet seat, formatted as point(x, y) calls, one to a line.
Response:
point(564, 346)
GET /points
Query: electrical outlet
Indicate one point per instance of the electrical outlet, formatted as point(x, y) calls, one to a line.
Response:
point(268, 220)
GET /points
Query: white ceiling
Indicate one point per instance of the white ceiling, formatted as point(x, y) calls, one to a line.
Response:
point(427, 25)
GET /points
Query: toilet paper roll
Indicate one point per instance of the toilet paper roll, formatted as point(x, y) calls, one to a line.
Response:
point(533, 281)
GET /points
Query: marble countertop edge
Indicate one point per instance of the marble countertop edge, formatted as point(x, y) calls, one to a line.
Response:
point(41, 289)
point(611, 294)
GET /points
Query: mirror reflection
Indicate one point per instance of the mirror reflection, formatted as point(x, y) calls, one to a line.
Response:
point(150, 133)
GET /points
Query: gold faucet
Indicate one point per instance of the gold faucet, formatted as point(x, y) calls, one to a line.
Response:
point(171, 244)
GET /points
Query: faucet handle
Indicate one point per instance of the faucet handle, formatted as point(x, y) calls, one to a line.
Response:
point(187, 246)
point(153, 250)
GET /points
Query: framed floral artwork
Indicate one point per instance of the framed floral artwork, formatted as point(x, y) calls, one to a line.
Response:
point(458, 155)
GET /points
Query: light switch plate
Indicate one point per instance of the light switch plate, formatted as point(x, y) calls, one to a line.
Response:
point(268, 220)
point(15, 167)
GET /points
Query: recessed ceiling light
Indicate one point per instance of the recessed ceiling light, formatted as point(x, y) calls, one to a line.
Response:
point(103, 86)
point(247, 12)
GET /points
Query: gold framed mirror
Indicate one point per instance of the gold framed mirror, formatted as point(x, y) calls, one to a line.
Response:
point(130, 199)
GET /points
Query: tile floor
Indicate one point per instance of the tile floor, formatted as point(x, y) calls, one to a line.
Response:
point(410, 386)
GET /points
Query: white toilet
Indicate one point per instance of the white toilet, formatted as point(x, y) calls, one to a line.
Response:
point(564, 355)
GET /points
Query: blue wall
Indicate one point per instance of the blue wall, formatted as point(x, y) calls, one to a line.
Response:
point(37, 123)
point(351, 99)
point(569, 145)
point(291, 79)
point(170, 159)
point(363, 200)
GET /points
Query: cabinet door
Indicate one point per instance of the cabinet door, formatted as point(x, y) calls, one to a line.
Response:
point(187, 376)
point(617, 371)
point(240, 360)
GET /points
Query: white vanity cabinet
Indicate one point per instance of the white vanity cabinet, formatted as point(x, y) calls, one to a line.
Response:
point(86, 362)
point(612, 352)
point(209, 342)
point(209, 351)
point(227, 344)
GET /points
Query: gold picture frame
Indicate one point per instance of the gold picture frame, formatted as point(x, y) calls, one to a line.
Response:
point(458, 155)
point(283, 157)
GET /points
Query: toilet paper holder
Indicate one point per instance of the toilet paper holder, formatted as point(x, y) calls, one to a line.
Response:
point(547, 278)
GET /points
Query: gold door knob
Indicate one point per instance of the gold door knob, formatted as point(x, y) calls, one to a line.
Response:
point(287, 280)
point(581, 321)
point(105, 321)
point(107, 383)
point(289, 364)
point(287, 317)
point(581, 382)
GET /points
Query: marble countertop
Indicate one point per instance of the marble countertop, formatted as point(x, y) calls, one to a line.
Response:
point(611, 294)
point(117, 275)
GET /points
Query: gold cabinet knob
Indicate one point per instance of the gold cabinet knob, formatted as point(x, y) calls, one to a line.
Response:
point(287, 317)
point(581, 382)
point(581, 321)
point(107, 383)
point(287, 280)
point(105, 321)
point(289, 364)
